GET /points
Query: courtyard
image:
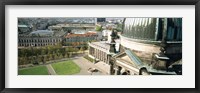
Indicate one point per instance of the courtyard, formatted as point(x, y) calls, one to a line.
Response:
point(73, 66)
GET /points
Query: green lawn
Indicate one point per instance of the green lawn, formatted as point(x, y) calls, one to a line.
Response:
point(66, 68)
point(39, 70)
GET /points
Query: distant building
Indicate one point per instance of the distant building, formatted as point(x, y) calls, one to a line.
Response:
point(71, 27)
point(72, 38)
point(40, 38)
point(102, 51)
point(23, 29)
point(99, 51)
point(35, 41)
point(100, 21)
point(42, 33)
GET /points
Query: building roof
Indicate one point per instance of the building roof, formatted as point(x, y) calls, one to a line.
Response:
point(59, 33)
point(80, 35)
point(101, 45)
point(42, 33)
point(140, 59)
point(22, 26)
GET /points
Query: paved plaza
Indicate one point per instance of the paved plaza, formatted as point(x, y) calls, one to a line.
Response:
point(84, 64)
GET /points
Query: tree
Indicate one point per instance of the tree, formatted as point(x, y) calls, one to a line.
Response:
point(85, 47)
point(39, 58)
point(84, 28)
point(20, 61)
point(43, 52)
point(70, 55)
point(50, 57)
point(62, 50)
point(47, 57)
point(43, 59)
point(74, 44)
point(66, 54)
point(119, 27)
point(35, 60)
point(82, 49)
point(58, 51)
point(76, 50)
point(55, 56)
point(50, 48)
point(29, 60)
point(60, 56)
point(98, 28)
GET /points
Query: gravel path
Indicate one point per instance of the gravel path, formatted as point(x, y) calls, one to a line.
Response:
point(50, 69)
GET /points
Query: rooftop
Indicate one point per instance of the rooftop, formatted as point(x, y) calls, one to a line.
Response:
point(42, 33)
point(22, 26)
point(80, 35)
point(101, 44)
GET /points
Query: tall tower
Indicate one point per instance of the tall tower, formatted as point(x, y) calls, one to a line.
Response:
point(99, 20)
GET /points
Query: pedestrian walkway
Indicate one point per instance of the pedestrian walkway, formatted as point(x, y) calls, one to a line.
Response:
point(84, 64)
point(103, 66)
point(50, 69)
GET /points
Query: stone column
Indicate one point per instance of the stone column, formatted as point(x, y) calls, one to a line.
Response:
point(93, 49)
point(100, 57)
point(108, 59)
point(99, 53)
point(95, 52)
point(89, 50)
point(104, 57)
point(118, 70)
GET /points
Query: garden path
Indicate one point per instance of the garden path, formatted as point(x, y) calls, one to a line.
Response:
point(50, 69)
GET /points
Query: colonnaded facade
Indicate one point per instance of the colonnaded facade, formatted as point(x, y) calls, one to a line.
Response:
point(99, 51)
point(80, 38)
point(40, 38)
point(28, 41)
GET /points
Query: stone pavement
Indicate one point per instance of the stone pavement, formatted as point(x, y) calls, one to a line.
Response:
point(103, 66)
point(84, 64)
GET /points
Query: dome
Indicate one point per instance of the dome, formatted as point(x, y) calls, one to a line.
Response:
point(152, 28)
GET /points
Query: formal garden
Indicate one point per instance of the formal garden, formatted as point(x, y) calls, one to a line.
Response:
point(41, 55)
point(61, 68)
point(66, 68)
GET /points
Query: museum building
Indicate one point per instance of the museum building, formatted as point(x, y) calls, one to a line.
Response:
point(40, 38)
point(148, 46)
